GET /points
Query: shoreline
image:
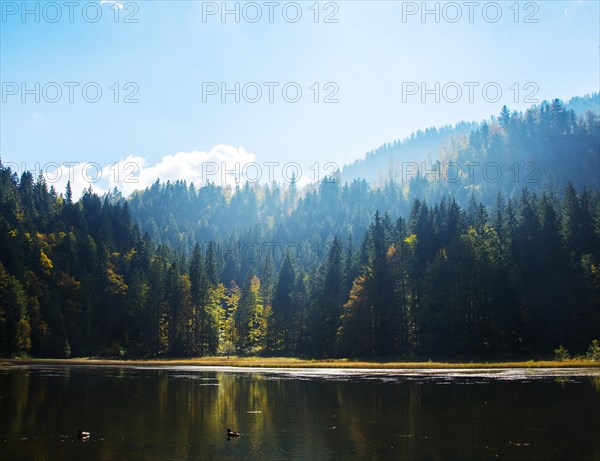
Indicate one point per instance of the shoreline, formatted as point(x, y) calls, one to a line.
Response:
point(261, 362)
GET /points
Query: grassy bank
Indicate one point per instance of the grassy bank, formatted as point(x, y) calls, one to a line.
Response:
point(282, 362)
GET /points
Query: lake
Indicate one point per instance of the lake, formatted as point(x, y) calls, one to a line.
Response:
point(182, 413)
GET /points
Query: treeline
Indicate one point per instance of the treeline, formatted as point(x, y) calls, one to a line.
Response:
point(516, 278)
point(513, 279)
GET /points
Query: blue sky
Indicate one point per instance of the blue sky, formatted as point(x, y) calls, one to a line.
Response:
point(369, 56)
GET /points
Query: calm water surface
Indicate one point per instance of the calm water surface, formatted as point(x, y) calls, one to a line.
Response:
point(181, 413)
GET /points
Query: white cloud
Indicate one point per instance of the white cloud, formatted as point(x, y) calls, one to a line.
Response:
point(221, 165)
point(119, 5)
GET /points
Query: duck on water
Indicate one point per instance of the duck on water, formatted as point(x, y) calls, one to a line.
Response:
point(230, 433)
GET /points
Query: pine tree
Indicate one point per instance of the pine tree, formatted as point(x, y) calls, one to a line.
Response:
point(229, 339)
point(281, 333)
point(199, 298)
point(330, 302)
point(249, 318)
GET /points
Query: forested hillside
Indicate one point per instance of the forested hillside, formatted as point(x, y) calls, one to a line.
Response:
point(422, 146)
point(541, 150)
point(386, 161)
point(421, 266)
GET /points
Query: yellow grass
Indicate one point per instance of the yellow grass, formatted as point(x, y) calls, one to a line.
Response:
point(283, 362)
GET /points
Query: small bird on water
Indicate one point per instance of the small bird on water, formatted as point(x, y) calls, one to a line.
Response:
point(230, 433)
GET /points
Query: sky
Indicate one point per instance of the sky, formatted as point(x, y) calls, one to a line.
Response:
point(119, 94)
